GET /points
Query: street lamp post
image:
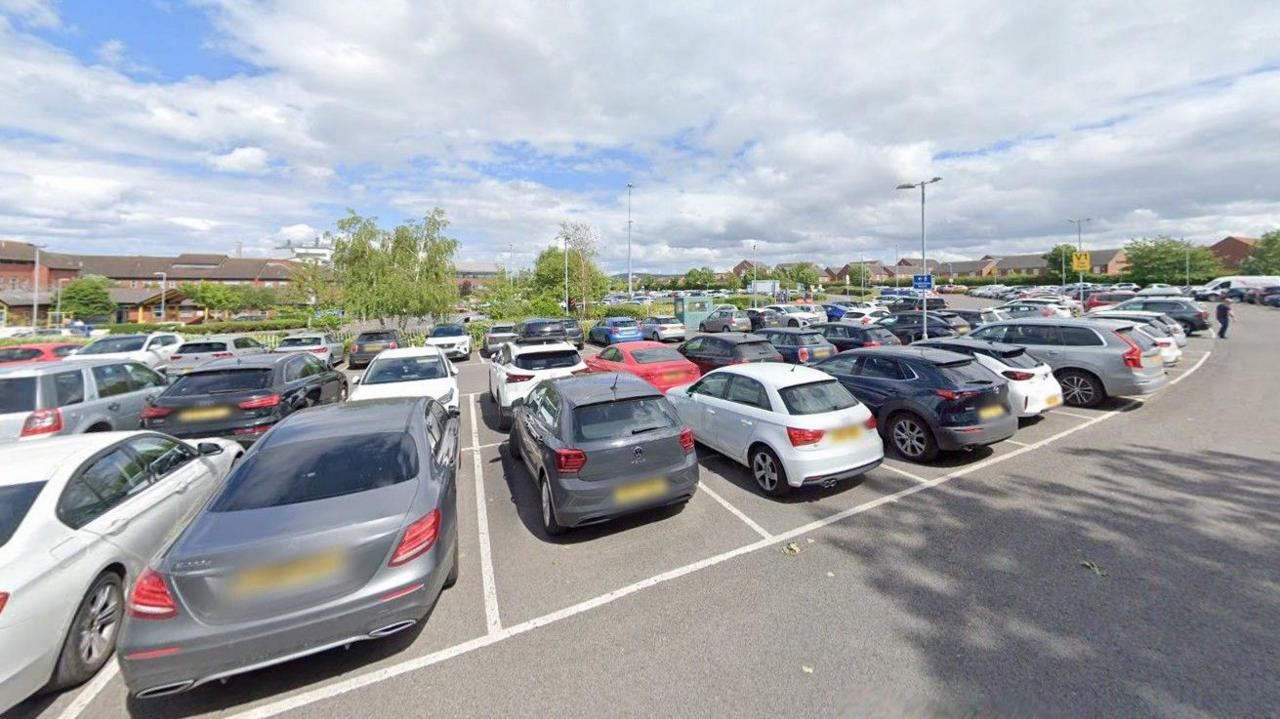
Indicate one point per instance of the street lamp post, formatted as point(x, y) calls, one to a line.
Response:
point(35, 289)
point(60, 286)
point(566, 273)
point(630, 296)
point(753, 274)
point(1187, 266)
point(164, 289)
point(1079, 223)
point(924, 262)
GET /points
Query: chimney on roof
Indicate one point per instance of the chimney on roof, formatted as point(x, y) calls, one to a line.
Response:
point(239, 248)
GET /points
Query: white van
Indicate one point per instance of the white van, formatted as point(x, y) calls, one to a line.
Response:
point(1216, 289)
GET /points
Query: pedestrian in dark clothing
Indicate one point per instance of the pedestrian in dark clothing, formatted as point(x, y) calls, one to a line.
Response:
point(1225, 315)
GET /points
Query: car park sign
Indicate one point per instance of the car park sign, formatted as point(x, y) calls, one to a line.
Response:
point(1080, 261)
point(922, 282)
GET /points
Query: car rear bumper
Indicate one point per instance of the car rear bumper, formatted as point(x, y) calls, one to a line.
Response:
point(360, 358)
point(580, 503)
point(833, 462)
point(978, 435)
point(207, 653)
point(665, 335)
point(1137, 384)
point(245, 431)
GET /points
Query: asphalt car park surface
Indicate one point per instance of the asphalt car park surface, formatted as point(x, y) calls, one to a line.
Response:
point(955, 588)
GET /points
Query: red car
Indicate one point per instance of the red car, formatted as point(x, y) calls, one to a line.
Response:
point(1103, 300)
point(28, 354)
point(658, 364)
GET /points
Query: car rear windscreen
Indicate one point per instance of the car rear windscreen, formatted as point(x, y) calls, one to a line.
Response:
point(194, 348)
point(622, 420)
point(376, 337)
point(666, 321)
point(1138, 338)
point(1017, 357)
point(810, 338)
point(17, 394)
point(108, 345)
point(15, 500)
point(311, 470)
point(879, 334)
point(299, 342)
point(755, 350)
point(18, 354)
point(826, 395)
point(405, 369)
point(543, 328)
point(220, 382)
point(656, 354)
point(966, 372)
point(624, 323)
point(547, 360)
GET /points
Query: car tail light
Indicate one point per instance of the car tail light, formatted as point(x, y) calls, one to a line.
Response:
point(42, 421)
point(358, 347)
point(1046, 312)
point(153, 412)
point(1204, 314)
point(803, 354)
point(4, 599)
point(570, 460)
point(870, 423)
point(319, 350)
point(1133, 355)
point(686, 439)
point(270, 400)
point(1015, 375)
point(150, 598)
point(518, 378)
point(800, 437)
point(871, 343)
point(220, 355)
point(259, 429)
point(418, 538)
point(952, 395)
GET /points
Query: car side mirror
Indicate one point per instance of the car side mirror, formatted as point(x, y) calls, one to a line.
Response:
point(455, 412)
point(208, 449)
point(453, 370)
point(357, 380)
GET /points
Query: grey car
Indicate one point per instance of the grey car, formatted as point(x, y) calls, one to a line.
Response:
point(499, 334)
point(600, 446)
point(55, 398)
point(726, 319)
point(573, 332)
point(1093, 359)
point(339, 526)
point(193, 353)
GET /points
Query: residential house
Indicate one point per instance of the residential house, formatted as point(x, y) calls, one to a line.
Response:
point(744, 268)
point(966, 268)
point(1018, 265)
point(1108, 262)
point(1232, 250)
point(18, 264)
point(15, 307)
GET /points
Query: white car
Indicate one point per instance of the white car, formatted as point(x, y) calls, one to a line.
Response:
point(193, 353)
point(452, 339)
point(323, 346)
point(1035, 307)
point(409, 372)
point(797, 316)
point(516, 368)
point(864, 317)
point(790, 425)
point(1170, 325)
point(1033, 390)
point(80, 517)
point(152, 350)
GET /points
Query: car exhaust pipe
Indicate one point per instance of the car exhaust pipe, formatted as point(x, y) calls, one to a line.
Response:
point(392, 628)
point(165, 689)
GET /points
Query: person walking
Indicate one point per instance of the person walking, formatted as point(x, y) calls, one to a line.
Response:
point(1225, 315)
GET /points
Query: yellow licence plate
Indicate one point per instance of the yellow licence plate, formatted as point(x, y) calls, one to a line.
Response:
point(1053, 400)
point(204, 414)
point(639, 491)
point(373, 348)
point(991, 412)
point(302, 572)
point(672, 375)
point(845, 434)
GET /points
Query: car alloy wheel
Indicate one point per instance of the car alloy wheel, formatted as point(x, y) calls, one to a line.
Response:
point(765, 471)
point(1077, 390)
point(909, 438)
point(549, 522)
point(97, 630)
point(342, 394)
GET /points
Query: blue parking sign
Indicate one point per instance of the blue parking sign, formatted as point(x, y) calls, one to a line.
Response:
point(922, 282)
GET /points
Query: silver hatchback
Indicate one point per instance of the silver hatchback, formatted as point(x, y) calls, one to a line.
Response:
point(193, 353)
point(55, 398)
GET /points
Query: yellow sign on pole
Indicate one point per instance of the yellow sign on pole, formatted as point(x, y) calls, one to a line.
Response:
point(1080, 261)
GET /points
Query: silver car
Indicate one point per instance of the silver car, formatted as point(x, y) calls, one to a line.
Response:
point(322, 345)
point(499, 334)
point(1093, 359)
point(193, 353)
point(662, 328)
point(726, 319)
point(57, 398)
point(339, 526)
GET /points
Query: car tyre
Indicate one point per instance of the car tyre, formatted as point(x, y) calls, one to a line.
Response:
point(513, 444)
point(1080, 389)
point(504, 418)
point(343, 393)
point(768, 472)
point(793, 323)
point(547, 510)
point(92, 637)
point(912, 438)
point(452, 577)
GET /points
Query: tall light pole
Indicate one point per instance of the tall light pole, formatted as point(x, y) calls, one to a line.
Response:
point(59, 310)
point(566, 273)
point(630, 296)
point(753, 274)
point(511, 283)
point(1187, 265)
point(164, 289)
point(1079, 223)
point(924, 262)
point(35, 289)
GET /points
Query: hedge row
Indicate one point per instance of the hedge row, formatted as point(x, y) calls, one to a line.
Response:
point(42, 339)
point(209, 328)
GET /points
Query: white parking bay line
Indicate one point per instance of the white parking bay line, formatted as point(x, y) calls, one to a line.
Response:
point(483, 446)
point(903, 472)
point(1065, 413)
point(90, 691)
point(1193, 368)
point(1020, 444)
point(736, 512)
point(363, 680)
point(491, 619)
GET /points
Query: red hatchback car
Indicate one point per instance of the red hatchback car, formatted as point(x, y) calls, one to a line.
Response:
point(1103, 300)
point(28, 354)
point(654, 362)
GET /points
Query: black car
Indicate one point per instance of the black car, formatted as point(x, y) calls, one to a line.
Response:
point(242, 398)
point(847, 335)
point(1185, 311)
point(573, 332)
point(909, 326)
point(762, 318)
point(726, 348)
point(926, 400)
point(542, 328)
point(369, 344)
point(908, 304)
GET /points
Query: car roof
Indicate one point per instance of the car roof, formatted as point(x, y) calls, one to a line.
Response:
point(967, 342)
point(642, 345)
point(262, 361)
point(40, 345)
point(210, 338)
point(392, 414)
point(615, 319)
point(776, 374)
point(43, 368)
point(600, 387)
point(304, 334)
point(411, 352)
point(38, 461)
point(910, 352)
point(738, 337)
point(518, 349)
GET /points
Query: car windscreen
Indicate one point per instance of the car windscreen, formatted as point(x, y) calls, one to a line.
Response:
point(299, 342)
point(15, 500)
point(311, 470)
point(826, 395)
point(808, 339)
point(1017, 357)
point(547, 360)
point(623, 323)
point(879, 334)
point(376, 337)
point(762, 349)
point(220, 382)
point(193, 348)
point(405, 369)
point(17, 394)
point(447, 331)
point(964, 372)
point(656, 354)
point(610, 420)
point(113, 344)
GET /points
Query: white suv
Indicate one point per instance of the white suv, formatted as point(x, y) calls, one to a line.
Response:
point(799, 315)
point(152, 350)
point(516, 368)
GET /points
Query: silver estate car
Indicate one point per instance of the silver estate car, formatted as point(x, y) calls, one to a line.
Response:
point(91, 395)
point(338, 526)
point(1093, 359)
point(602, 445)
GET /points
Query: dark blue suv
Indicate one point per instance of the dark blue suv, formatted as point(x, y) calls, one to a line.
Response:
point(926, 400)
point(798, 346)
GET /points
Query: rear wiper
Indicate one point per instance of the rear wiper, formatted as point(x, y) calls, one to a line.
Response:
point(642, 430)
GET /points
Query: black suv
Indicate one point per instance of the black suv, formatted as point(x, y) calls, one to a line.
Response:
point(712, 351)
point(909, 326)
point(1185, 311)
point(541, 328)
point(906, 304)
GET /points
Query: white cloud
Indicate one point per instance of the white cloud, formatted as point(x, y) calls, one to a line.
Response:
point(241, 159)
point(199, 224)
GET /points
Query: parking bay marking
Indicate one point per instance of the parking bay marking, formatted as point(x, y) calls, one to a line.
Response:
point(357, 682)
point(90, 691)
point(903, 472)
point(734, 510)
point(493, 622)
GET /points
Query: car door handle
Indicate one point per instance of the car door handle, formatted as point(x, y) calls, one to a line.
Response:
point(117, 526)
point(710, 411)
point(114, 406)
point(747, 422)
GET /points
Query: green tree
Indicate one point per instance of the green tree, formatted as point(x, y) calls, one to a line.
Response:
point(87, 297)
point(210, 297)
point(699, 278)
point(587, 282)
point(1264, 258)
point(1164, 259)
point(1059, 263)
